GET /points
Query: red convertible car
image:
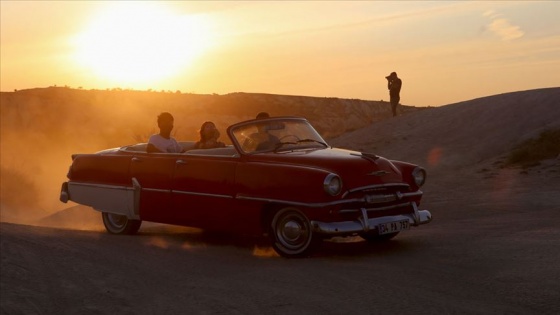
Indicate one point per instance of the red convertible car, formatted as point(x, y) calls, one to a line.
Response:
point(277, 178)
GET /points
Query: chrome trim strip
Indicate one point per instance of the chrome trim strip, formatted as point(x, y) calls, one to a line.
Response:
point(201, 194)
point(326, 204)
point(374, 187)
point(416, 214)
point(106, 198)
point(350, 227)
point(364, 219)
point(381, 198)
point(391, 197)
point(101, 186)
point(187, 193)
point(303, 204)
point(137, 190)
point(157, 190)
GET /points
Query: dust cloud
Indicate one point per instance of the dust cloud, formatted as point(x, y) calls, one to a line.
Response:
point(41, 128)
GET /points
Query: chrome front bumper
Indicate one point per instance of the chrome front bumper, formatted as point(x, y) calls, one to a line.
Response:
point(365, 224)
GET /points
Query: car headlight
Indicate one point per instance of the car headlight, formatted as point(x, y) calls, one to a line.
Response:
point(332, 184)
point(419, 176)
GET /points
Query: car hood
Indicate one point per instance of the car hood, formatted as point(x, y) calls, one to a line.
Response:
point(355, 168)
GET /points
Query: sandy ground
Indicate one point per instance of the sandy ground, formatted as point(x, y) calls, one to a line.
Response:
point(491, 249)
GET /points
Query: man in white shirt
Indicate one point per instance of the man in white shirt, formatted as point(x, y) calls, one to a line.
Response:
point(163, 142)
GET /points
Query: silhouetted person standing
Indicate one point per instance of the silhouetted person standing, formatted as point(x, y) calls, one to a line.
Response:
point(394, 85)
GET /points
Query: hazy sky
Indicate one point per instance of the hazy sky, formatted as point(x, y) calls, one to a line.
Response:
point(445, 52)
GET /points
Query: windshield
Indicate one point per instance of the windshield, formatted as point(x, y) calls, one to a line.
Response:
point(276, 135)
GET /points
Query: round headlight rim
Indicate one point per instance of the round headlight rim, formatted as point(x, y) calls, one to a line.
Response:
point(327, 184)
point(419, 171)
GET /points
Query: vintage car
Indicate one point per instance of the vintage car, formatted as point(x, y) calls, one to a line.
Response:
point(278, 177)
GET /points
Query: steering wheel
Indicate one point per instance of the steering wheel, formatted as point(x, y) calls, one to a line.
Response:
point(287, 136)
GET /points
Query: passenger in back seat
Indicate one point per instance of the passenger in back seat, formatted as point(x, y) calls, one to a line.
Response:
point(208, 137)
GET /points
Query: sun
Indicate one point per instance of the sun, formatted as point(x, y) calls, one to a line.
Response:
point(138, 43)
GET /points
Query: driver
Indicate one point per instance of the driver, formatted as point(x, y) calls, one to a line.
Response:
point(262, 139)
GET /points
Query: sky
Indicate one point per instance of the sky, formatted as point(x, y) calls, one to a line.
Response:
point(444, 51)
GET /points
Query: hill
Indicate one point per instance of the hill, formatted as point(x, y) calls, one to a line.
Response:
point(135, 111)
point(463, 134)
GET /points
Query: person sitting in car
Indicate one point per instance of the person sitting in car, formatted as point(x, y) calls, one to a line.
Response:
point(209, 135)
point(164, 142)
point(262, 139)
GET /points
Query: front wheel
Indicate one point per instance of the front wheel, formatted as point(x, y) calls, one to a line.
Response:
point(120, 224)
point(291, 234)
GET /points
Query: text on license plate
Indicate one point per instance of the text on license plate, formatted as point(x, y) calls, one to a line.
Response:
point(392, 227)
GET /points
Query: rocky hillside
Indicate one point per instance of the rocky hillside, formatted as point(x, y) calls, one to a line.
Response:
point(69, 110)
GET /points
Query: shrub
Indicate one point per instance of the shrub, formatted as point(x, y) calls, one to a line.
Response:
point(532, 151)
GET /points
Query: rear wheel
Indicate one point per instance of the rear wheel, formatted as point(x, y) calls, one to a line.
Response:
point(291, 234)
point(120, 224)
point(374, 237)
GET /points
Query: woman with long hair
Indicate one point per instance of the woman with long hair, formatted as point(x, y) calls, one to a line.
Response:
point(209, 137)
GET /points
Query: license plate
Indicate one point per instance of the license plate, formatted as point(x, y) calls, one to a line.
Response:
point(392, 227)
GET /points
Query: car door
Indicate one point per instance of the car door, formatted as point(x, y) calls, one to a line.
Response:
point(203, 191)
point(154, 173)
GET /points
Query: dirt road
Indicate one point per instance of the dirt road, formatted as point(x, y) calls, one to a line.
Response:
point(491, 249)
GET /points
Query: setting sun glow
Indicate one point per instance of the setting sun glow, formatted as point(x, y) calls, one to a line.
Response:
point(141, 44)
point(444, 51)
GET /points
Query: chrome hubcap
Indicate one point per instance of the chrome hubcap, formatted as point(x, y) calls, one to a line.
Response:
point(291, 231)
